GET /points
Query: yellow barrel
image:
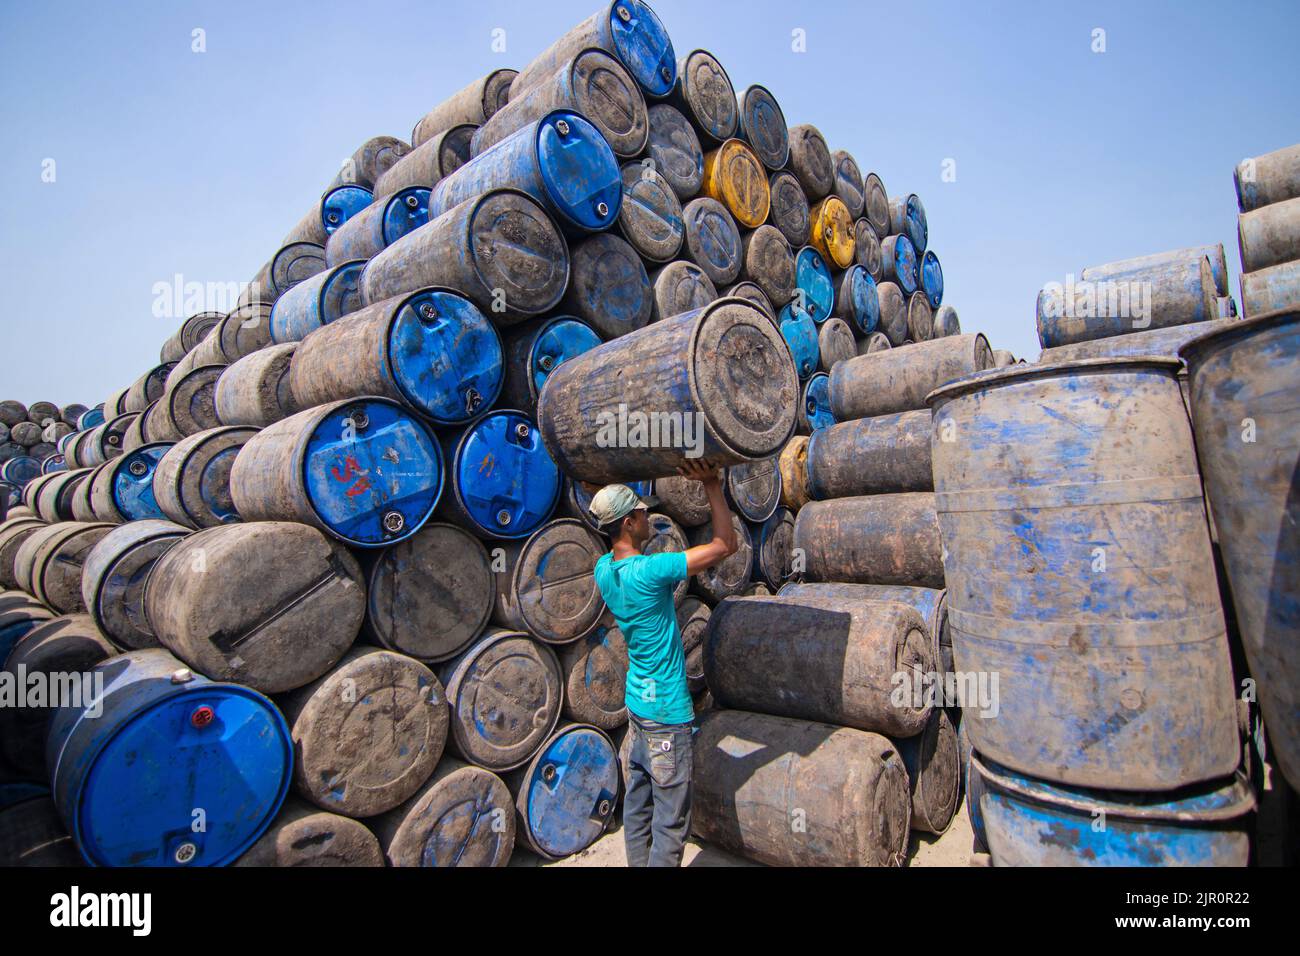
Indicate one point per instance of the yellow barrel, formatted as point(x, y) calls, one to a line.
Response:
point(734, 177)
point(830, 231)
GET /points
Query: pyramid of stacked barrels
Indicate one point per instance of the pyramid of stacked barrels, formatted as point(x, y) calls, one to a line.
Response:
point(29, 437)
point(1118, 525)
point(328, 565)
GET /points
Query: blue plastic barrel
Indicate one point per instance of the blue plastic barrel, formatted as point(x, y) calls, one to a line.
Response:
point(857, 301)
point(342, 203)
point(812, 278)
point(1031, 822)
point(316, 301)
point(914, 223)
point(165, 767)
point(641, 43)
point(565, 796)
point(19, 470)
point(504, 483)
point(559, 341)
point(561, 160)
point(55, 462)
point(378, 226)
point(800, 334)
point(902, 268)
point(91, 418)
point(931, 278)
point(816, 409)
point(131, 488)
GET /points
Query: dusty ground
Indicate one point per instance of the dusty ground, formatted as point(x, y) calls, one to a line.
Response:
point(951, 849)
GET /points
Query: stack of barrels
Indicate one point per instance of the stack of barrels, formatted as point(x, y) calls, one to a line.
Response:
point(29, 443)
point(1268, 231)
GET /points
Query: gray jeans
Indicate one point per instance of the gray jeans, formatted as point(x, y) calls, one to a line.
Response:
point(657, 807)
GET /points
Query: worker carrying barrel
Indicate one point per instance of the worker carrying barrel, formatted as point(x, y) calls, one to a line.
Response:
point(638, 589)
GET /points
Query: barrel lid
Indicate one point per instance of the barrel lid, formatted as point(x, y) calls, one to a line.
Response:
point(504, 477)
point(607, 95)
point(706, 90)
point(341, 203)
point(20, 469)
point(517, 247)
point(739, 182)
point(372, 472)
point(405, 211)
point(863, 299)
point(800, 334)
point(831, 231)
point(445, 357)
point(743, 377)
point(1211, 802)
point(1198, 348)
point(917, 229)
point(643, 45)
point(713, 240)
point(570, 791)
point(132, 487)
point(221, 747)
point(295, 262)
point(674, 147)
point(762, 125)
point(579, 170)
point(754, 488)
point(559, 340)
point(91, 418)
point(817, 402)
point(904, 263)
point(931, 276)
point(557, 596)
point(53, 463)
point(813, 277)
point(650, 217)
point(340, 293)
point(995, 377)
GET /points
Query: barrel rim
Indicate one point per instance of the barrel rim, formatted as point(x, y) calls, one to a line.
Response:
point(453, 468)
point(1196, 350)
point(978, 381)
point(529, 772)
point(475, 207)
point(142, 536)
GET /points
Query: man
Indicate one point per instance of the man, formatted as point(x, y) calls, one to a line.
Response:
point(638, 589)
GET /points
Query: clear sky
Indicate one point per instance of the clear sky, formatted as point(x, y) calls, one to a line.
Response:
point(169, 162)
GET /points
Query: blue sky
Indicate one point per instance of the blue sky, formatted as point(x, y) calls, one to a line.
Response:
point(169, 161)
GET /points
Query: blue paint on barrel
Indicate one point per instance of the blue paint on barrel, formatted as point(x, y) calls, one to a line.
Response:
point(642, 45)
point(405, 211)
point(132, 487)
point(130, 772)
point(445, 356)
point(19, 470)
point(864, 300)
point(317, 301)
point(342, 203)
point(1031, 822)
point(905, 264)
point(817, 401)
point(559, 341)
point(568, 791)
point(503, 478)
point(15, 631)
point(374, 479)
point(812, 278)
point(91, 418)
point(562, 161)
point(55, 462)
point(800, 333)
point(915, 226)
point(931, 278)
point(972, 782)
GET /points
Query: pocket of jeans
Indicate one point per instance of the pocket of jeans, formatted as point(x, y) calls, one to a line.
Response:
point(663, 757)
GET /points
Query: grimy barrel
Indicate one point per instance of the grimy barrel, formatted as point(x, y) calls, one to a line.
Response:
point(1064, 486)
point(430, 595)
point(13, 533)
point(472, 106)
point(718, 382)
point(130, 766)
point(462, 816)
point(505, 693)
point(626, 29)
point(1270, 235)
point(704, 94)
point(732, 574)
point(560, 160)
point(255, 391)
point(377, 227)
point(317, 301)
point(1151, 342)
point(674, 150)
point(590, 83)
point(535, 349)
point(712, 240)
point(835, 343)
point(1136, 267)
point(114, 575)
point(501, 249)
point(680, 287)
point(52, 560)
point(773, 542)
point(650, 217)
point(1271, 178)
point(1271, 289)
point(433, 351)
point(793, 465)
point(1164, 293)
point(368, 734)
point(545, 585)
point(755, 775)
point(566, 795)
point(428, 163)
point(753, 488)
point(1243, 401)
point(768, 261)
point(123, 488)
point(306, 835)
point(852, 663)
point(930, 603)
point(871, 456)
point(735, 177)
point(898, 380)
point(788, 208)
point(364, 470)
point(271, 604)
point(608, 285)
point(244, 331)
point(191, 482)
point(595, 676)
point(872, 539)
point(371, 159)
point(683, 500)
point(934, 768)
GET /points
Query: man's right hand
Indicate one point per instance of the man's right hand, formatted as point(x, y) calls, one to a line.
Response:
point(699, 469)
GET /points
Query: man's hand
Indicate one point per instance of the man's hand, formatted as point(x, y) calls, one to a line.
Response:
point(698, 469)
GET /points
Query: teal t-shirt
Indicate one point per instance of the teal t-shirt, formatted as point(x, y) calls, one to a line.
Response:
point(639, 593)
